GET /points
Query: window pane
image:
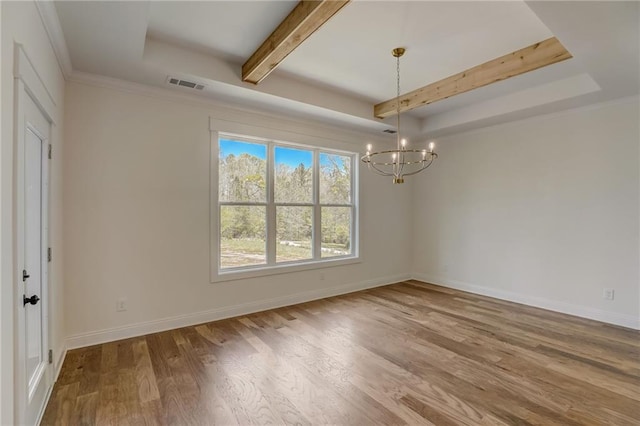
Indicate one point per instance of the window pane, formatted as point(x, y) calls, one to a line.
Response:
point(335, 179)
point(242, 236)
point(336, 231)
point(293, 233)
point(242, 171)
point(293, 175)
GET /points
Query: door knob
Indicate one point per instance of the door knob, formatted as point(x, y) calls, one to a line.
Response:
point(33, 299)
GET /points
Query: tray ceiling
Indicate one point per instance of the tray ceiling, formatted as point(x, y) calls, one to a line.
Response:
point(348, 59)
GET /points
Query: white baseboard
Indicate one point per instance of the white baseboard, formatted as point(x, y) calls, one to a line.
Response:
point(552, 305)
point(57, 366)
point(139, 329)
point(44, 405)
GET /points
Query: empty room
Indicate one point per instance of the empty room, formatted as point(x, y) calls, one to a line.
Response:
point(323, 212)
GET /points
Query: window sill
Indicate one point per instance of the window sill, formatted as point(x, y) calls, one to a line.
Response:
point(262, 271)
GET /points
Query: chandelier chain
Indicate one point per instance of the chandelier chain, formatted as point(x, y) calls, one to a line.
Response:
point(402, 161)
point(398, 97)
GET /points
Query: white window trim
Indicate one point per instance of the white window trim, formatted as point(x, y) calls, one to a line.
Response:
point(273, 137)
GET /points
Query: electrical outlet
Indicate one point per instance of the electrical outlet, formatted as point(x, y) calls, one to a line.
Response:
point(608, 293)
point(121, 304)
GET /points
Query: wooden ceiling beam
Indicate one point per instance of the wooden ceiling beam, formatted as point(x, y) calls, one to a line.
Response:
point(530, 58)
point(303, 21)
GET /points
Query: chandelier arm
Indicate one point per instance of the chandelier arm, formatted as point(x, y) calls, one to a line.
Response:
point(369, 161)
point(391, 151)
point(371, 158)
point(417, 171)
point(371, 166)
point(412, 163)
point(379, 163)
point(403, 163)
point(379, 171)
point(420, 169)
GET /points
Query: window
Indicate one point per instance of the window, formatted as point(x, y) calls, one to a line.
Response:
point(282, 205)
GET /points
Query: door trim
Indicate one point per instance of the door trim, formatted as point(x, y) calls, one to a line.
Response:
point(28, 83)
point(25, 72)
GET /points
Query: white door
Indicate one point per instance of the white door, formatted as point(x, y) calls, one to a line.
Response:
point(34, 375)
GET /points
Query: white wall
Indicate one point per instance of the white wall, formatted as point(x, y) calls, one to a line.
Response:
point(136, 215)
point(21, 23)
point(4, 362)
point(535, 211)
point(542, 211)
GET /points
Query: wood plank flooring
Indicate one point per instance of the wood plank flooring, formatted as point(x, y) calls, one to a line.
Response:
point(408, 353)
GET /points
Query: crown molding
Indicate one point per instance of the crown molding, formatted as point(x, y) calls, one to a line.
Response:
point(223, 108)
point(632, 99)
point(51, 22)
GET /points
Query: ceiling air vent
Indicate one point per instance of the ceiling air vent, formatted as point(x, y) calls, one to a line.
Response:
point(390, 131)
point(185, 83)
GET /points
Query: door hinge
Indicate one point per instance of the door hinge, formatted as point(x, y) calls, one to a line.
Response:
point(50, 149)
point(50, 356)
point(49, 254)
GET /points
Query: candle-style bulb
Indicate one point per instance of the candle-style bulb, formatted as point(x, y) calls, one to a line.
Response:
point(368, 147)
point(431, 146)
point(403, 142)
point(424, 154)
point(393, 156)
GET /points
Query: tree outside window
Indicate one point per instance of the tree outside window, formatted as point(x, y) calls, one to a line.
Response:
point(281, 204)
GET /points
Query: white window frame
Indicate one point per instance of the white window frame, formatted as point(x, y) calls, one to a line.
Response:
point(250, 134)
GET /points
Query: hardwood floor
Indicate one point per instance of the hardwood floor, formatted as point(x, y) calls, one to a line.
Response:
point(409, 353)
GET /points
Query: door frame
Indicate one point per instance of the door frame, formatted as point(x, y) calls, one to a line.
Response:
point(28, 83)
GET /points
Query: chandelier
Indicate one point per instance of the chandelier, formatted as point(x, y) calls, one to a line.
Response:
point(399, 162)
